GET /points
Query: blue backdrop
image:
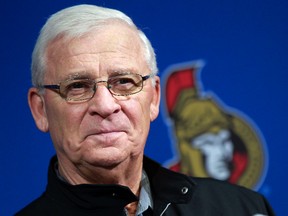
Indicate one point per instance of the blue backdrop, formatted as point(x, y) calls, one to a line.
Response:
point(245, 47)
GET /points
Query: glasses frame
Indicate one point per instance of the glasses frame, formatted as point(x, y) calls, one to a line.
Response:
point(56, 87)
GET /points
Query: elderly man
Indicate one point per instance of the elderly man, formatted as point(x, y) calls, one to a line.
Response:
point(96, 92)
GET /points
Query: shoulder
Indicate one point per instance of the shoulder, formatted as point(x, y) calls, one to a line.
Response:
point(225, 190)
point(225, 195)
point(208, 184)
point(40, 206)
point(204, 196)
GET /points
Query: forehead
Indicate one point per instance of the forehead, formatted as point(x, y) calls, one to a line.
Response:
point(113, 47)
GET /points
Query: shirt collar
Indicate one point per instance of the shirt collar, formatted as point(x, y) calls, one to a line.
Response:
point(145, 198)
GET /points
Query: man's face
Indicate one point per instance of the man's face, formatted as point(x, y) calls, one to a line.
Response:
point(107, 129)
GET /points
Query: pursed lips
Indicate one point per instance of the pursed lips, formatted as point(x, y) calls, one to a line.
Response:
point(105, 133)
point(105, 128)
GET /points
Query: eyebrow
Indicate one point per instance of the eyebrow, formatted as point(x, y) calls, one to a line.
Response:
point(87, 75)
point(77, 75)
point(122, 71)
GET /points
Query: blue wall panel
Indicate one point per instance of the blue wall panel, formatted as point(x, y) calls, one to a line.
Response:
point(244, 45)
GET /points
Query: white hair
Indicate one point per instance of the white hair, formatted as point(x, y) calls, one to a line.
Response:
point(77, 21)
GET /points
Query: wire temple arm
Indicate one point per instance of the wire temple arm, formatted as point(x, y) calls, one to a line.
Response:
point(51, 86)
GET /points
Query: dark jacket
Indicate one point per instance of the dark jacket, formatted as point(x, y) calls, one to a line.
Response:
point(173, 194)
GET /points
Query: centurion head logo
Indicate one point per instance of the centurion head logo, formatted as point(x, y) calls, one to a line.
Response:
point(210, 139)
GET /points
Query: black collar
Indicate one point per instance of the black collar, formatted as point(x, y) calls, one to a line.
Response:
point(166, 186)
point(87, 196)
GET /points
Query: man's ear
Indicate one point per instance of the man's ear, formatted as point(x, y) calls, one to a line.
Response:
point(37, 107)
point(154, 107)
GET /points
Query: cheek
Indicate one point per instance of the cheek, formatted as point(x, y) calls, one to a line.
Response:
point(64, 122)
point(137, 112)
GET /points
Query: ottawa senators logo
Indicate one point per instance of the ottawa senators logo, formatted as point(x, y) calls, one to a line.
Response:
point(211, 140)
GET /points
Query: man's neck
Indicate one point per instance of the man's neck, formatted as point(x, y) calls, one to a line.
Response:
point(132, 208)
point(126, 174)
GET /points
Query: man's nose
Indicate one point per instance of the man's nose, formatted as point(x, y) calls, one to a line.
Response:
point(103, 102)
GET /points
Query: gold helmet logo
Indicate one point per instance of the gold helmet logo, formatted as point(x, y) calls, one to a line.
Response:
point(212, 140)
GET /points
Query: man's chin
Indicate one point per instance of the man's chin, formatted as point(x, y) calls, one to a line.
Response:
point(109, 157)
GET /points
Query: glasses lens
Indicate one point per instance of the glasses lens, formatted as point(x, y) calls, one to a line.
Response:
point(125, 84)
point(77, 90)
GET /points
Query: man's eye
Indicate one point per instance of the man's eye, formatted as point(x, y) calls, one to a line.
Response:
point(77, 85)
point(123, 81)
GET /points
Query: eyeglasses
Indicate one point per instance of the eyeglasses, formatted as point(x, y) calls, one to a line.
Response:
point(80, 90)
